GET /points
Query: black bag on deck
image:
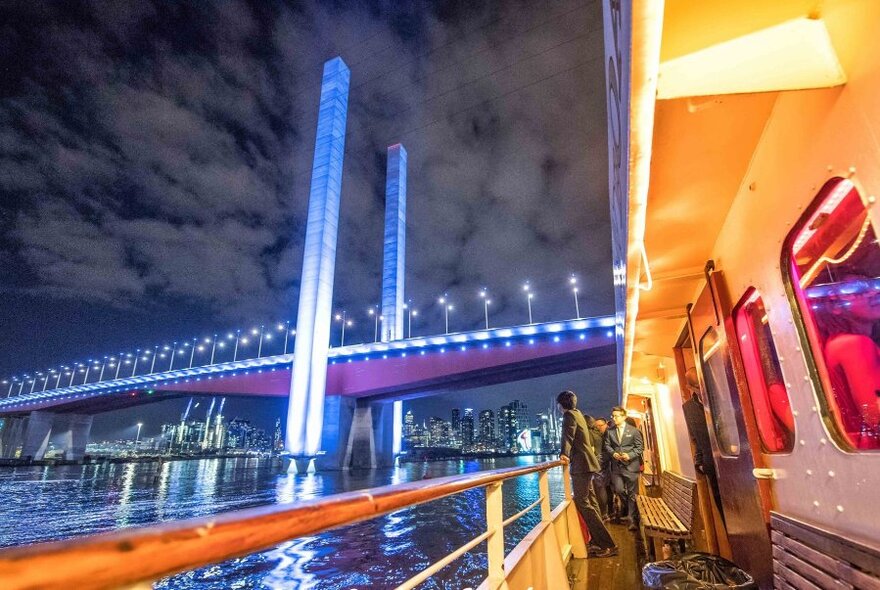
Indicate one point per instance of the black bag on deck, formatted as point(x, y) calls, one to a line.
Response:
point(696, 571)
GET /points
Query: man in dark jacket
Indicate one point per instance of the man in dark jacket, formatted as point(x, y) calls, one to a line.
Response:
point(624, 444)
point(578, 450)
point(601, 481)
point(695, 418)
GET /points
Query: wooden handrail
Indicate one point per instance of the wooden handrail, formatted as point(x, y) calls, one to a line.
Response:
point(129, 556)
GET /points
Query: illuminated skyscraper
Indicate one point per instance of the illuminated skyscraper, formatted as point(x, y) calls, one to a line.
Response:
point(467, 428)
point(507, 430)
point(521, 411)
point(409, 423)
point(277, 439)
point(487, 427)
point(438, 428)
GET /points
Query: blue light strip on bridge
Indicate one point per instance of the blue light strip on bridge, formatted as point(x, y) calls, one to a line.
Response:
point(357, 352)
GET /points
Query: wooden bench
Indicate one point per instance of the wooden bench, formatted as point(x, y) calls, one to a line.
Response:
point(671, 516)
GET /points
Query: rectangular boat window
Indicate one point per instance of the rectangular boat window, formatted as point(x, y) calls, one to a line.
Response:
point(833, 264)
point(764, 375)
point(720, 386)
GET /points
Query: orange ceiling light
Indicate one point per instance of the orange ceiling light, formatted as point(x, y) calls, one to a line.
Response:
point(792, 55)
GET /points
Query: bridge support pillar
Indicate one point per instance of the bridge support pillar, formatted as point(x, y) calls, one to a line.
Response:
point(361, 452)
point(383, 415)
point(356, 435)
point(335, 432)
point(36, 435)
point(76, 436)
point(11, 436)
point(301, 464)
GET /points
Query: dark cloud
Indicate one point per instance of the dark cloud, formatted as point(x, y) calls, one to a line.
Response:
point(155, 161)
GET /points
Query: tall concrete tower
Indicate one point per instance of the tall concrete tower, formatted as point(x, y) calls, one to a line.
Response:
point(393, 266)
point(306, 408)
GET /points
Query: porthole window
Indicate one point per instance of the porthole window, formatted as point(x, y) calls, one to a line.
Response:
point(833, 264)
point(720, 387)
point(764, 375)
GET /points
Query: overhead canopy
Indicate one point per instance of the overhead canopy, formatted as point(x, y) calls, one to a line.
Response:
point(711, 86)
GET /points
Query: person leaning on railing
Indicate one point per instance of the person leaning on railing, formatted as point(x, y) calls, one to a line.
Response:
point(578, 450)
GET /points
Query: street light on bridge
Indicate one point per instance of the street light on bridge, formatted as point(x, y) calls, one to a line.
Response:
point(173, 352)
point(484, 295)
point(572, 280)
point(88, 370)
point(235, 350)
point(155, 354)
point(340, 317)
point(374, 311)
point(118, 365)
point(410, 312)
point(286, 328)
point(137, 357)
point(529, 295)
point(260, 345)
point(447, 307)
point(103, 365)
point(192, 353)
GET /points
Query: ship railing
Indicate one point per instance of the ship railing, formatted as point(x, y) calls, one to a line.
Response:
point(136, 557)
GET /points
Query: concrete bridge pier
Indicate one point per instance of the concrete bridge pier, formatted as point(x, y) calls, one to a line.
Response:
point(356, 434)
point(75, 436)
point(11, 435)
point(36, 435)
point(383, 433)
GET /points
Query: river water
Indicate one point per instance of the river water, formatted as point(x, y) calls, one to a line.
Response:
point(49, 503)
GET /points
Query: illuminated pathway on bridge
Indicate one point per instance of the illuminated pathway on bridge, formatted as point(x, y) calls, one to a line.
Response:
point(526, 345)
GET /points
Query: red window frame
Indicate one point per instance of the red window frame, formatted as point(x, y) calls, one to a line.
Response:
point(769, 396)
point(830, 271)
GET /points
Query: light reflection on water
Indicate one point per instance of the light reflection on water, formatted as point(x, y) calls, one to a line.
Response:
point(47, 503)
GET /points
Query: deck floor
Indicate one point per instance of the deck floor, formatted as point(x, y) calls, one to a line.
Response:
point(622, 572)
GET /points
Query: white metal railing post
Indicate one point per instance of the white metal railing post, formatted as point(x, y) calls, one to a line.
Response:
point(544, 491)
point(575, 533)
point(495, 542)
point(566, 482)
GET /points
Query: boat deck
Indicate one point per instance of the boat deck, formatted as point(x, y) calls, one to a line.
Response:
point(622, 572)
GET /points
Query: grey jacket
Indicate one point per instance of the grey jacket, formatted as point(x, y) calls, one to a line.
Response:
point(631, 444)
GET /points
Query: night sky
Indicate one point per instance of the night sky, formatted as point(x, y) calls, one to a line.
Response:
point(155, 162)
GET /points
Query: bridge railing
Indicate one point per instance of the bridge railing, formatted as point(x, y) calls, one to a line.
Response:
point(136, 557)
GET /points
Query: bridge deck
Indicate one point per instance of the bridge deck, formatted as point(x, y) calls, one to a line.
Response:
point(393, 370)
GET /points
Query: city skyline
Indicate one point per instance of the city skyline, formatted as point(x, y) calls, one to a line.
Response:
point(595, 389)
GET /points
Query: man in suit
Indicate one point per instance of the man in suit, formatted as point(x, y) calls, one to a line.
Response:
point(624, 444)
point(695, 418)
point(599, 488)
point(578, 450)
